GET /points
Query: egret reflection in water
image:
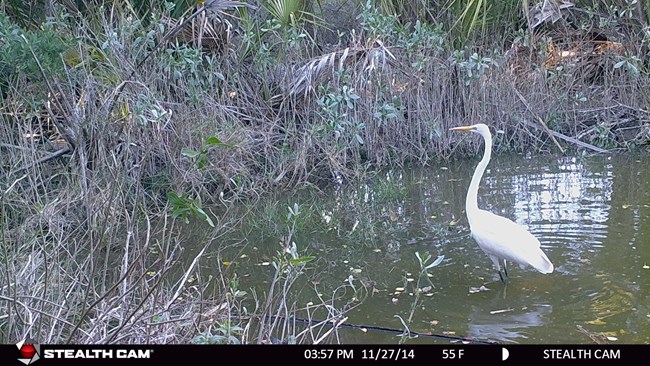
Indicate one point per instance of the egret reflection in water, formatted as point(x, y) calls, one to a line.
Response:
point(506, 325)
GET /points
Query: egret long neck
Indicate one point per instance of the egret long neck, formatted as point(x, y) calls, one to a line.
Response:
point(471, 203)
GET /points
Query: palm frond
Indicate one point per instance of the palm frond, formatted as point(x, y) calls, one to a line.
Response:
point(361, 59)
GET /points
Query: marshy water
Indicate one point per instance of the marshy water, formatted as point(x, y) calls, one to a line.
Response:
point(590, 213)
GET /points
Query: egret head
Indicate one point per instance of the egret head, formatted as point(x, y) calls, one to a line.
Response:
point(479, 128)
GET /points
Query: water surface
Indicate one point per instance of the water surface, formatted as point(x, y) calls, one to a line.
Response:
point(590, 213)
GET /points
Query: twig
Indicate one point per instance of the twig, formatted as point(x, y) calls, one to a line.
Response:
point(568, 138)
point(335, 326)
point(2, 144)
point(50, 156)
point(632, 108)
point(598, 338)
point(538, 118)
point(12, 187)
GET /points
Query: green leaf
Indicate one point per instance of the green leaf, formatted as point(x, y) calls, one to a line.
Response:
point(302, 260)
point(202, 162)
point(417, 255)
point(190, 153)
point(181, 212)
point(216, 339)
point(214, 141)
point(174, 199)
point(239, 294)
point(202, 215)
point(436, 262)
point(631, 68)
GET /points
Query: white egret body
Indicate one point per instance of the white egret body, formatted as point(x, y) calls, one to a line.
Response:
point(501, 239)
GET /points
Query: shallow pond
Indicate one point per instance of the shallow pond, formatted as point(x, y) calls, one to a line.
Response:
point(590, 213)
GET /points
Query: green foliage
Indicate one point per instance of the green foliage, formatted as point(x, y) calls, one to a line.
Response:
point(378, 24)
point(419, 40)
point(181, 60)
point(25, 13)
point(474, 67)
point(20, 48)
point(279, 36)
point(422, 42)
point(271, 218)
point(632, 64)
point(389, 190)
point(365, 212)
point(389, 111)
point(293, 212)
point(425, 262)
point(179, 7)
point(285, 13)
point(224, 333)
point(146, 110)
point(200, 158)
point(486, 16)
point(425, 266)
point(184, 207)
point(334, 107)
point(234, 291)
point(289, 257)
point(199, 73)
point(386, 19)
point(409, 10)
point(602, 136)
point(469, 15)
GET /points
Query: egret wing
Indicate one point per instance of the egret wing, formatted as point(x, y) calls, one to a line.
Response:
point(501, 237)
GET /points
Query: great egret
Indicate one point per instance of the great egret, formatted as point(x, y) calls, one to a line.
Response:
point(501, 239)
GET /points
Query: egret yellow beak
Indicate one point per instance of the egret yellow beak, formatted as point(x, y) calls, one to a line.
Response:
point(463, 128)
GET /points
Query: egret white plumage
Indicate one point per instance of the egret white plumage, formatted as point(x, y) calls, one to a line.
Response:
point(500, 238)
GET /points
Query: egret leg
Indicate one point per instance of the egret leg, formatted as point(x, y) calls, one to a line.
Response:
point(503, 279)
point(502, 263)
point(498, 263)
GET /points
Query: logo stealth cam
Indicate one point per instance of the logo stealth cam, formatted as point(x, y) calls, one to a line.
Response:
point(30, 351)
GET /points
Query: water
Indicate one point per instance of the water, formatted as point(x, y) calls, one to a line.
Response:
point(591, 215)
